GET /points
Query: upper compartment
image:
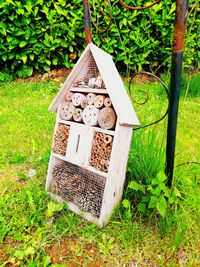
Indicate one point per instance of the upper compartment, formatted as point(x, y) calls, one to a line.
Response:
point(95, 63)
point(89, 77)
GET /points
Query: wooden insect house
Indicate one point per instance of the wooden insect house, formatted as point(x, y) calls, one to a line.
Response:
point(92, 137)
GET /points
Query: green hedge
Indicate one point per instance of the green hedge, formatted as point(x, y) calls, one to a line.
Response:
point(41, 35)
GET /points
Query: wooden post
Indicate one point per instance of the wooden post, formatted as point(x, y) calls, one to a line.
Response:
point(88, 32)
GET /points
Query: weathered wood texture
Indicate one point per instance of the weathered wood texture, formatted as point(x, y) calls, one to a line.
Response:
point(111, 79)
point(87, 165)
point(117, 171)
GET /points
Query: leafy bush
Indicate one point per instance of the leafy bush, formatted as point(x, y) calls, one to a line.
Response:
point(155, 195)
point(41, 35)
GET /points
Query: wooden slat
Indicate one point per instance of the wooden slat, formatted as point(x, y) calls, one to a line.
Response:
point(117, 171)
point(115, 87)
point(77, 143)
point(96, 171)
point(88, 90)
point(98, 129)
point(86, 215)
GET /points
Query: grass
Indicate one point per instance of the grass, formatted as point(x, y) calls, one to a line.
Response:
point(34, 231)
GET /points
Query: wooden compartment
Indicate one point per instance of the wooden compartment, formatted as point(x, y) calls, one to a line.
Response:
point(89, 170)
point(77, 185)
point(61, 139)
point(101, 151)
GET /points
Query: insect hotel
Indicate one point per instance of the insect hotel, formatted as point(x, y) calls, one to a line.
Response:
point(92, 137)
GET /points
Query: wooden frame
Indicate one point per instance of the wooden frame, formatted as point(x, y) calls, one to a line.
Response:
point(80, 140)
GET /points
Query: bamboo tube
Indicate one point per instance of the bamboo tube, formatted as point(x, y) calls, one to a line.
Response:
point(99, 101)
point(104, 145)
point(97, 134)
point(68, 96)
point(107, 118)
point(102, 162)
point(98, 167)
point(90, 98)
point(77, 98)
point(92, 161)
point(90, 115)
point(107, 102)
point(77, 114)
point(66, 110)
point(107, 162)
point(100, 140)
point(107, 139)
point(104, 149)
point(106, 157)
point(109, 148)
point(95, 143)
point(104, 168)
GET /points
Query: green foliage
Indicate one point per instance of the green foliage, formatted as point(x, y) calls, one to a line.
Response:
point(38, 34)
point(190, 85)
point(154, 195)
point(41, 35)
point(52, 208)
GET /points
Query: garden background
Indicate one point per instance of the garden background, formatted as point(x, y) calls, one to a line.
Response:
point(153, 225)
point(42, 35)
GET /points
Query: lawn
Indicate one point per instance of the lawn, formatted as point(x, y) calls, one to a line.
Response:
point(35, 231)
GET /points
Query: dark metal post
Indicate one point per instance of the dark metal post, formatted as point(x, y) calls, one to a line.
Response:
point(88, 32)
point(177, 57)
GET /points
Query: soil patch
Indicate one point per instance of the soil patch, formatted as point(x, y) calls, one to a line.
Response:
point(63, 253)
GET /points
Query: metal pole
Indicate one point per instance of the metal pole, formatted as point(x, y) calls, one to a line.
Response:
point(177, 57)
point(87, 23)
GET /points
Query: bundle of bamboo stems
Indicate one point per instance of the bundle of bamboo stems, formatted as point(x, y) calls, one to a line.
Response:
point(101, 151)
point(61, 139)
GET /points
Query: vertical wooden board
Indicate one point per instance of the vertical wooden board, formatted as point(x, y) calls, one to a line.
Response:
point(52, 162)
point(78, 143)
point(88, 146)
point(117, 170)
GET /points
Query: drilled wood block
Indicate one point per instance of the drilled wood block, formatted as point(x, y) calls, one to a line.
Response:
point(66, 110)
point(90, 98)
point(90, 115)
point(68, 96)
point(107, 102)
point(77, 99)
point(99, 101)
point(107, 118)
point(77, 115)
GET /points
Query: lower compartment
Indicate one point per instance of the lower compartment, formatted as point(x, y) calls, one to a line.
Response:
point(77, 185)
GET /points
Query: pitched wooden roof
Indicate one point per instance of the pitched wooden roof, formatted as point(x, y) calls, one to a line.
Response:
point(112, 80)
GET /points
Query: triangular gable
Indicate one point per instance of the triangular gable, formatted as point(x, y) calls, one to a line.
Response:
point(112, 80)
point(115, 87)
point(70, 79)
